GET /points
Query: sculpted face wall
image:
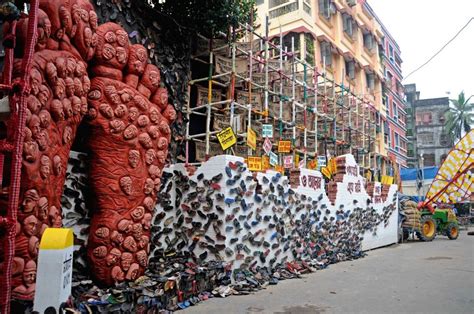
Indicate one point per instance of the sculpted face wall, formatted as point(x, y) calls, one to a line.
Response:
point(81, 69)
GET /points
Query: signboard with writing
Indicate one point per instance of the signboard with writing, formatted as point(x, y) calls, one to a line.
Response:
point(251, 139)
point(297, 160)
point(321, 162)
point(203, 94)
point(267, 145)
point(254, 163)
point(301, 164)
point(54, 273)
point(273, 158)
point(226, 138)
point(284, 146)
point(267, 130)
point(288, 161)
point(265, 163)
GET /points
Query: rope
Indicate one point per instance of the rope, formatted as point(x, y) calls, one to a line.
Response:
point(18, 106)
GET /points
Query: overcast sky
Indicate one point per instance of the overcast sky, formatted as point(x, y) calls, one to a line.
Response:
point(422, 27)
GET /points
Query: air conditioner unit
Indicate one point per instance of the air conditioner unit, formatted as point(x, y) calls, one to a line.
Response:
point(351, 3)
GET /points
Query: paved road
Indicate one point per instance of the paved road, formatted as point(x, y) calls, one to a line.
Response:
point(415, 277)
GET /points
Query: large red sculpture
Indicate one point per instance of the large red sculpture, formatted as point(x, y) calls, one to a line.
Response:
point(81, 69)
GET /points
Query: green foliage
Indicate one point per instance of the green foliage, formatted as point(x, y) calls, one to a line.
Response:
point(208, 17)
point(460, 116)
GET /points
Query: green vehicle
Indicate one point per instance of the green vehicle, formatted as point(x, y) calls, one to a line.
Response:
point(426, 222)
point(441, 221)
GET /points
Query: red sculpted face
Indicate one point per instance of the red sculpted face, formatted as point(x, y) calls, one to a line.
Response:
point(100, 251)
point(30, 225)
point(130, 132)
point(55, 217)
point(126, 260)
point(126, 185)
point(113, 257)
point(45, 168)
point(36, 80)
point(45, 118)
point(30, 200)
point(57, 110)
point(138, 57)
point(133, 158)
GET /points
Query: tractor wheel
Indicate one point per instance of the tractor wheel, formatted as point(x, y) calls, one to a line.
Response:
point(452, 231)
point(428, 228)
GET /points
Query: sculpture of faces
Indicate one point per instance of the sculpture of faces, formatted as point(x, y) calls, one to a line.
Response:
point(133, 156)
point(162, 143)
point(94, 94)
point(43, 140)
point(161, 157)
point(116, 126)
point(55, 217)
point(117, 274)
point(45, 119)
point(164, 128)
point(30, 151)
point(33, 104)
point(124, 225)
point(121, 54)
point(161, 98)
point(30, 200)
point(132, 273)
point(122, 37)
point(57, 165)
point(67, 108)
point(85, 87)
point(43, 209)
point(108, 52)
point(80, 69)
point(106, 110)
point(93, 20)
point(143, 120)
point(76, 104)
point(148, 203)
point(146, 221)
point(51, 72)
point(142, 258)
point(150, 156)
point(57, 110)
point(116, 237)
point(154, 116)
point(102, 232)
point(59, 89)
point(126, 185)
point(149, 185)
point(33, 246)
point(154, 171)
point(30, 225)
point(133, 114)
point(138, 213)
point(100, 251)
point(87, 37)
point(145, 140)
point(45, 167)
point(67, 135)
point(130, 132)
point(137, 231)
point(79, 89)
point(69, 86)
point(143, 243)
point(120, 111)
point(140, 102)
point(35, 81)
point(130, 244)
point(169, 113)
point(29, 273)
point(126, 260)
point(44, 95)
point(34, 125)
point(137, 60)
point(113, 257)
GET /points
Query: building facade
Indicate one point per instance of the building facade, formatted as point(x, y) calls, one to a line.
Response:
point(345, 40)
point(432, 142)
point(394, 99)
point(411, 96)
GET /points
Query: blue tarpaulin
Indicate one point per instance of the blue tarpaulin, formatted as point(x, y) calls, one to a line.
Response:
point(408, 174)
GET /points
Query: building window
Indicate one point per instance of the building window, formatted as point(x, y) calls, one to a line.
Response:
point(411, 151)
point(397, 142)
point(444, 140)
point(395, 111)
point(350, 69)
point(348, 25)
point(309, 41)
point(369, 41)
point(287, 40)
point(326, 53)
point(429, 160)
point(425, 139)
point(275, 3)
point(282, 10)
point(326, 8)
point(423, 118)
point(390, 53)
point(370, 80)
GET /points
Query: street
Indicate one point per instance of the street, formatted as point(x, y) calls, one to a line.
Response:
point(414, 277)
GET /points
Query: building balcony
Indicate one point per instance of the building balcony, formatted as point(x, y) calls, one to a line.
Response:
point(294, 12)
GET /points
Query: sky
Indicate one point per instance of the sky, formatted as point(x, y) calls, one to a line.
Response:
point(422, 27)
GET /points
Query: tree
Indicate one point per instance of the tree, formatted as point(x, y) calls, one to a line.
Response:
point(459, 116)
point(207, 17)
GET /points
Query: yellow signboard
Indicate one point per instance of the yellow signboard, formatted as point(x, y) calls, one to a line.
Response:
point(226, 138)
point(284, 146)
point(326, 172)
point(251, 139)
point(265, 163)
point(254, 163)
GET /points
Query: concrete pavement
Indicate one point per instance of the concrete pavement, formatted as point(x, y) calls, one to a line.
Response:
point(414, 277)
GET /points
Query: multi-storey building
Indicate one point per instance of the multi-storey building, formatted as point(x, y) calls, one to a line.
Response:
point(394, 99)
point(426, 129)
point(412, 95)
point(342, 38)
